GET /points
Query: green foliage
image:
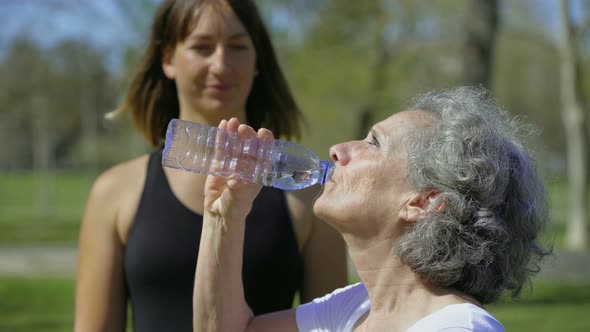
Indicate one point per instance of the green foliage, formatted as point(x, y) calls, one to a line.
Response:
point(61, 102)
point(341, 57)
point(376, 55)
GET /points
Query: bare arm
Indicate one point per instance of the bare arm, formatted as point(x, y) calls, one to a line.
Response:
point(218, 298)
point(100, 292)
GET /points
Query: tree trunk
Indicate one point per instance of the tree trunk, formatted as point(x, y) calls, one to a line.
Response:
point(43, 158)
point(88, 109)
point(482, 28)
point(366, 112)
point(383, 55)
point(573, 120)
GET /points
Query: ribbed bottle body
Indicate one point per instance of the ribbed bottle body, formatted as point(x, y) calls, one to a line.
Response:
point(204, 149)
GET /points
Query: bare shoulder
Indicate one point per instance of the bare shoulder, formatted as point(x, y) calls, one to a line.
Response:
point(116, 193)
point(120, 179)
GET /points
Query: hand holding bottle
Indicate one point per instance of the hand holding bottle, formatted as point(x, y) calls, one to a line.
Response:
point(231, 197)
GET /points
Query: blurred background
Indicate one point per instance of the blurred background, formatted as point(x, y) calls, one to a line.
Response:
point(65, 63)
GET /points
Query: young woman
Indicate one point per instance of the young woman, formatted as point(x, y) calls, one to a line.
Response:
point(139, 239)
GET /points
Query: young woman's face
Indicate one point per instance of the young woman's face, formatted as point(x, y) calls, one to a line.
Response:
point(214, 67)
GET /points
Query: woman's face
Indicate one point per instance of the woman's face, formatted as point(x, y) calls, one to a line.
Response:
point(214, 67)
point(370, 182)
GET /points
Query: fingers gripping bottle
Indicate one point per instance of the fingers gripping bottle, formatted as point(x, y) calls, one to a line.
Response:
point(204, 149)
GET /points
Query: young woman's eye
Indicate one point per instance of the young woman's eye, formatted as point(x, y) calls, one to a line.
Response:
point(238, 47)
point(202, 47)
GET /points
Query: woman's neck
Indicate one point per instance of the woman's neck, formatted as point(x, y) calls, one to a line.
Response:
point(387, 279)
point(398, 296)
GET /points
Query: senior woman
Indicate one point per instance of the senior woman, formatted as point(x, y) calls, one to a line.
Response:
point(440, 206)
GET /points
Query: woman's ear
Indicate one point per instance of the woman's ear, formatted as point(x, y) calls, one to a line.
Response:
point(422, 204)
point(168, 65)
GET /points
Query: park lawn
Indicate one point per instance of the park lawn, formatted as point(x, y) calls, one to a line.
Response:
point(47, 305)
point(24, 220)
point(551, 307)
point(37, 304)
point(541, 317)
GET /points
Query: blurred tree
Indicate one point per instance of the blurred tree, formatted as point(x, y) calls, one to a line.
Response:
point(363, 25)
point(582, 38)
point(29, 137)
point(80, 71)
point(85, 89)
point(573, 120)
point(57, 104)
point(358, 61)
point(482, 27)
point(526, 77)
point(15, 91)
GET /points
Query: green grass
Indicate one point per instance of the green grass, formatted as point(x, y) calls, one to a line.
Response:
point(47, 305)
point(24, 220)
point(37, 304)
point(551, 307)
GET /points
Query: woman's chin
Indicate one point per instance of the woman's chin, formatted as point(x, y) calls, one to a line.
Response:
point(322, 208)
point(217, 105)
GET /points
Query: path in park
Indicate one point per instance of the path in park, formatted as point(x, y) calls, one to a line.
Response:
point(57, 261)
point(60, 262)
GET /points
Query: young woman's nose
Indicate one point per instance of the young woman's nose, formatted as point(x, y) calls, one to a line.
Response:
point(219, 60)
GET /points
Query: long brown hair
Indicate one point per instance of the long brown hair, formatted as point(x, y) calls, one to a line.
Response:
point(152, 97)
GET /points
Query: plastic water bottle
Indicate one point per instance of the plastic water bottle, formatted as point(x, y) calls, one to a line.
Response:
point(204, 149)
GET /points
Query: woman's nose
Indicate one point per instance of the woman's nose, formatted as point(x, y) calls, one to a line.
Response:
point(219, 60)
point(338, 153)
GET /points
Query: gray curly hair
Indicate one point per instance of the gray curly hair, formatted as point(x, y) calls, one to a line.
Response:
point(485, 241)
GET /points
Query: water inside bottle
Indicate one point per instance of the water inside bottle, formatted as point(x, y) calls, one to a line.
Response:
point(292, 180)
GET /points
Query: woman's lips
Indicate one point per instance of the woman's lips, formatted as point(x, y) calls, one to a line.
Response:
point(218, 87)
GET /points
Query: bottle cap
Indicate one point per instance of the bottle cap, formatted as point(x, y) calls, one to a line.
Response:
point(326, 169)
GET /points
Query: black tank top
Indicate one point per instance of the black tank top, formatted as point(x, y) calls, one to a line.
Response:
point(163, 245)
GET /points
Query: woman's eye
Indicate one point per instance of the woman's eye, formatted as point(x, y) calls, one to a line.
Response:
point(374, 141)
point(238, 46)
point(202, 47)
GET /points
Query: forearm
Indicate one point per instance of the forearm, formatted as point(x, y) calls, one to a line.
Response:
point(218, 298)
